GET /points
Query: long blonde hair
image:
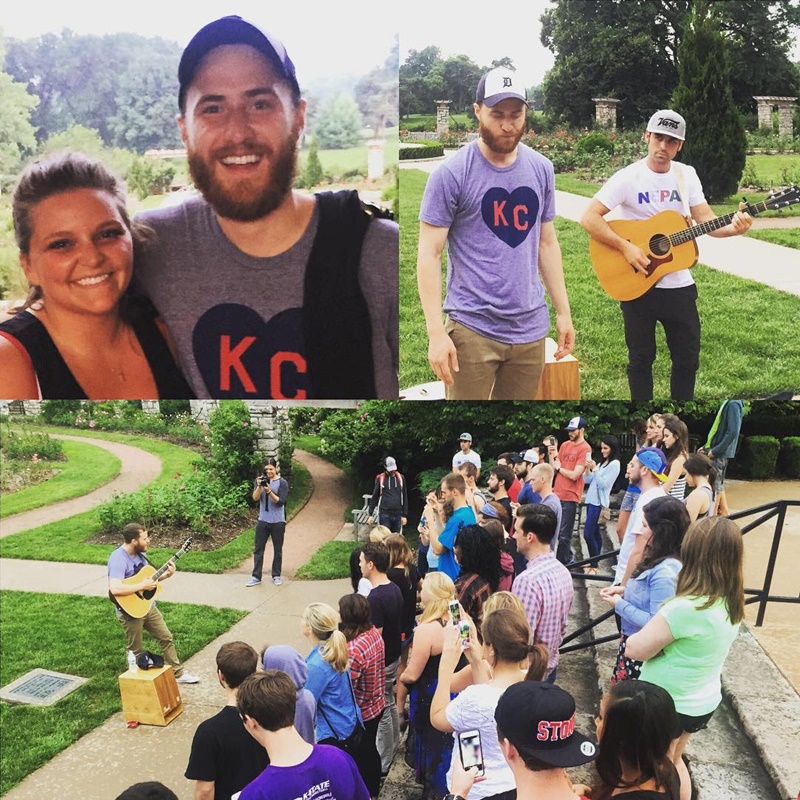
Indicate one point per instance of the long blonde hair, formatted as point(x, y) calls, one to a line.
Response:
point(440, 588)
point(503, 599)
point(323, 620)
point(712, 555)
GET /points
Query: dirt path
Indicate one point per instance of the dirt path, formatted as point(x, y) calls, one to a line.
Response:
point(138, 469)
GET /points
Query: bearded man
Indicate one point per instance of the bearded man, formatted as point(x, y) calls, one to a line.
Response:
point(268, 292)
point(493, 204)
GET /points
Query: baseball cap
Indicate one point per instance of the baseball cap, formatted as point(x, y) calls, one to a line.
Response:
point(669, 123)
point(575, 423)
point(488, 510)
point(531, 456)
point(500, 84)
point(654, 459)
point(390, 463)
point(465, 437)
point(539, 719)
point(231, 30)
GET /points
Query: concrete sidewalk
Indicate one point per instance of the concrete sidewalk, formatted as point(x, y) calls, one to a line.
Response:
point(764, 262)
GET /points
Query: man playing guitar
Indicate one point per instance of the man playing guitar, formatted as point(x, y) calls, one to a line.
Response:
point(125, 562)
point(641, 190)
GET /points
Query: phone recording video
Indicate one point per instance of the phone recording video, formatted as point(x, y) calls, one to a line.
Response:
point(469, 745)
point(455, 611)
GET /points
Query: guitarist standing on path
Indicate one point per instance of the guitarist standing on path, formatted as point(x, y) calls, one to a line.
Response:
point(125, 562)
point(641, 190)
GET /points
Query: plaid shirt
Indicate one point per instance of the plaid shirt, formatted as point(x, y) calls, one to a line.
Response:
point(368, 673)
point(545, 591)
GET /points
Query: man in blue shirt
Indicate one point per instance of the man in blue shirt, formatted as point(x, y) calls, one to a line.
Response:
point(444, 529)
point(270, 493)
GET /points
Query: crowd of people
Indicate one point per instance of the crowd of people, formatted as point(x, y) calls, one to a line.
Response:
point(457, 644)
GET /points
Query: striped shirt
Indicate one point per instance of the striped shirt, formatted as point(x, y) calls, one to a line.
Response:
point(368, 673)
point(545, 591)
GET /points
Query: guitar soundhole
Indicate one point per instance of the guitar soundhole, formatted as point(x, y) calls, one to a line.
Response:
point(659, 245)
point(148, 593)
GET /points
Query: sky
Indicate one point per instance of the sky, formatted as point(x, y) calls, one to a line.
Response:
point(324, 39)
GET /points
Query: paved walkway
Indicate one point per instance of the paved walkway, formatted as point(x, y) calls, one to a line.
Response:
point(104, 755)
point(744, 257)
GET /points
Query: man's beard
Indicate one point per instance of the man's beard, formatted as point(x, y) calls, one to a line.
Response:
point(241, 202)
point(499, 144)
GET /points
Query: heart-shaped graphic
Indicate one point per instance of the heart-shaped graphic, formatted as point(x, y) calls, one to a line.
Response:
point(510, 215)
point(241, 356)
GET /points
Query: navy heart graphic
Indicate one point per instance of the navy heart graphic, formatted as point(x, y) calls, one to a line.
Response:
point(241, 356)
point(510, 216)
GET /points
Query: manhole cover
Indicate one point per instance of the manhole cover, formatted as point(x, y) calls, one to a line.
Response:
point(41, 687)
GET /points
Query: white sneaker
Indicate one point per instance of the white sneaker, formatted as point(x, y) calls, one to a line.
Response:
point(253, 581)
point(277, 580)
point(187, 678)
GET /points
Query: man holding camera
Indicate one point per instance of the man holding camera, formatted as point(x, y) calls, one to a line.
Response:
point(270, 493)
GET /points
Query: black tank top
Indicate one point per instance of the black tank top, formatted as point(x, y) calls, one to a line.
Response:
point(56, 381)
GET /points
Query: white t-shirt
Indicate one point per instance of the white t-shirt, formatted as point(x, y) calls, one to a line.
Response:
point(473, 709)
point(461, 457)
point(634, 528)
point(641, 193)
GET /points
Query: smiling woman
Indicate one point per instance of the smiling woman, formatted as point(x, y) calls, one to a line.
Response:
point(79, 334)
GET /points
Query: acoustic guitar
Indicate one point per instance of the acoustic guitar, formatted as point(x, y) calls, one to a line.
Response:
point(669, 243)
point(139, 604)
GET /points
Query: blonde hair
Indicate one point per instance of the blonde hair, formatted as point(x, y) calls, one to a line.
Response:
point(503, 599)
point(323, 620)
point(441, 590)
point(379, 533)
point(712, 555)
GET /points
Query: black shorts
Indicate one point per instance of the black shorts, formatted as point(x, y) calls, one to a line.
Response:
point(693, 724)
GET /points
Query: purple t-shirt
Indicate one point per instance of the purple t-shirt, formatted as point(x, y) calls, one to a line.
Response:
point(327, 774)
point(494, 216)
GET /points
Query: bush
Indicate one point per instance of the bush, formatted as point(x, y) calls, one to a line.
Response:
point(233, 439)
point(789, 457)
point(594, 142)
point(60, 412)
point(422, 151)
point(759, 456)
point(29, 446)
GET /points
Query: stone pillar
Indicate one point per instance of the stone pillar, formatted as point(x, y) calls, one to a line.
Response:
point(150, 407)
point(442, 117)
point(375, 148)
point(201, 409)
point(784, 105)
point(606, 112)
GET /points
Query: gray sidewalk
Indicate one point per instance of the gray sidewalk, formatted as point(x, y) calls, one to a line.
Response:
point(755, 260)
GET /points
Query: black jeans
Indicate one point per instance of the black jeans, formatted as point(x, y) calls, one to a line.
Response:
point(676, 310)
point(263, 531)
point(564, 549)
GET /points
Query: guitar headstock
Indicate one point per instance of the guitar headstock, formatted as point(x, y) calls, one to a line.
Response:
point(187, 545)
point(787, 197)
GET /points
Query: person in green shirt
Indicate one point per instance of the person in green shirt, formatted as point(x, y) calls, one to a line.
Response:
point(686, 643)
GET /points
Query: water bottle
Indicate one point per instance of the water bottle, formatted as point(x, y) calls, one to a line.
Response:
point(132, 667)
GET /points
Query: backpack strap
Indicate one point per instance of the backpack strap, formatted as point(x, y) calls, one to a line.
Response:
point(337, 328)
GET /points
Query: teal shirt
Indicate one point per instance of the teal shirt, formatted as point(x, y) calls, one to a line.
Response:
point(690, 667)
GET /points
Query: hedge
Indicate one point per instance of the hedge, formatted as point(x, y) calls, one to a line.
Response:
point(760, 456)
point(422, 151)
point(789, 457)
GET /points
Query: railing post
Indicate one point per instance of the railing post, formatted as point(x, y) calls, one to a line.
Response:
point(773, 557)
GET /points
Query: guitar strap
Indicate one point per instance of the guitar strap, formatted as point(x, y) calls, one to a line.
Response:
point(680, 177)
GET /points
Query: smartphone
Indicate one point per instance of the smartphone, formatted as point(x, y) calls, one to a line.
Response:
point(463, 631)
point(469, 745)
point(455, 611)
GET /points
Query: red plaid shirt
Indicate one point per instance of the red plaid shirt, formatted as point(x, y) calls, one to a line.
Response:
point(368, 672)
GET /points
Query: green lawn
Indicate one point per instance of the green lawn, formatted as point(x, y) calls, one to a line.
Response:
point(80, 636)
point(87, 467)
point(788, 237)
point(764, 361)
point(777, 170)
point(331, 561)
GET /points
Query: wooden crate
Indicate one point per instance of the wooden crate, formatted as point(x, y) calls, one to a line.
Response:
point(560, 379)
point(150, 696)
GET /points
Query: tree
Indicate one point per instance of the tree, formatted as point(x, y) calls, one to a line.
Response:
point(376, 93)
point(313, 172)
point(416, 96)
point(339, 124)
point(17, 134)
point(716, 145)
point(76, 137)
point(149, 176)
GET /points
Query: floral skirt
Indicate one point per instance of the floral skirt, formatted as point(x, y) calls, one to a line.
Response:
point(625, 669)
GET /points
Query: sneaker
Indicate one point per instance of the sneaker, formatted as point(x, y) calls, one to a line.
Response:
point(277, 580)
point(253, 581)
point(187, 678)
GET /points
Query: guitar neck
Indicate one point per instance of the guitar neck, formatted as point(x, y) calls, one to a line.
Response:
point(165, 566)
point(686, 235)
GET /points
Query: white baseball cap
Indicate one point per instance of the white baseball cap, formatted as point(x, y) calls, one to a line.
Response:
point(670, 123)
point(500, 84)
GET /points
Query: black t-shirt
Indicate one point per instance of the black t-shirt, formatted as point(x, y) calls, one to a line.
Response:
point(408, 586)
point(386, 604)
point(224, 752)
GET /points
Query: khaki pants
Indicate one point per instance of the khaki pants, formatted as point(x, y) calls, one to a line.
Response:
point(490, 370)
point(154, 624)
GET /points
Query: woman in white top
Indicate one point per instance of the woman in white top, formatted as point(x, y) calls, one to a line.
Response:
point(675, 444)
point(600, 478)
point(701, 476)
point(506, 637)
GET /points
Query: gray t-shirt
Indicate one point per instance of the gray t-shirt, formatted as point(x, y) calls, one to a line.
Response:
point(494, 216)
point(237, 320)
